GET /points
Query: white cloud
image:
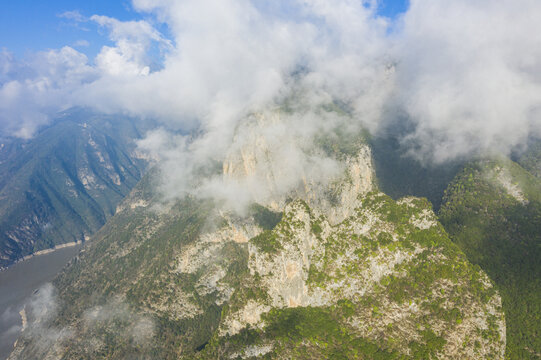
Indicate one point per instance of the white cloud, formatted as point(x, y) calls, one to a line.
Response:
point(469, 75)
point(74, 15)
point(73, 18)
point(41, 310)
point(231, 60)
point(132, 42)
point(49, 339)
point(39, 86)
point(466, 73)
point(81, 43)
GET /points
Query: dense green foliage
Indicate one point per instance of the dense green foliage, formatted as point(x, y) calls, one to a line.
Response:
point(311, 333)
point(267, 242)
point(503, 236)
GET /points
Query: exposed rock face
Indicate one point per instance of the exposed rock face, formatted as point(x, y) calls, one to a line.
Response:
point(253, 160)
point(403, 280)
point(503, 178)
point(342, 272)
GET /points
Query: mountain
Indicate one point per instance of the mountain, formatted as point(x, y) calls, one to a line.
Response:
point(492, 211)
point(333, 268)
point(62, 185)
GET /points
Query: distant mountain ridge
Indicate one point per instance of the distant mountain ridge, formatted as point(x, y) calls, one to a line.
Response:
point(63, 184)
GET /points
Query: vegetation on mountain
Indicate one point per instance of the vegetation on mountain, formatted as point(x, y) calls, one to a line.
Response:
point(331, 329)
point(530, 159)
point(492, 211)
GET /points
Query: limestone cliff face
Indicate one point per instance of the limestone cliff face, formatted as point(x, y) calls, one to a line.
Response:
point(404, 281)
point(253, 160)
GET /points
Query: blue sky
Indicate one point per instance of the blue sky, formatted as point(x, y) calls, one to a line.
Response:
point(392, 8)
point(33, 25)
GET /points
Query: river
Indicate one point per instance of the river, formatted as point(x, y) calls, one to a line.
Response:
point(18, 282)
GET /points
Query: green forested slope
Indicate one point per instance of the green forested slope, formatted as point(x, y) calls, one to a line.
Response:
point(492, 210)
point(530, 159)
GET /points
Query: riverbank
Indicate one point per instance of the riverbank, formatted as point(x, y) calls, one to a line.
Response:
point(42, 252)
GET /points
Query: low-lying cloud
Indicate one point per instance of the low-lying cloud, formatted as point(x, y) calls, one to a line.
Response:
point(48, 339)
point(33, 89)
point(39, 313)
point(463, 74)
